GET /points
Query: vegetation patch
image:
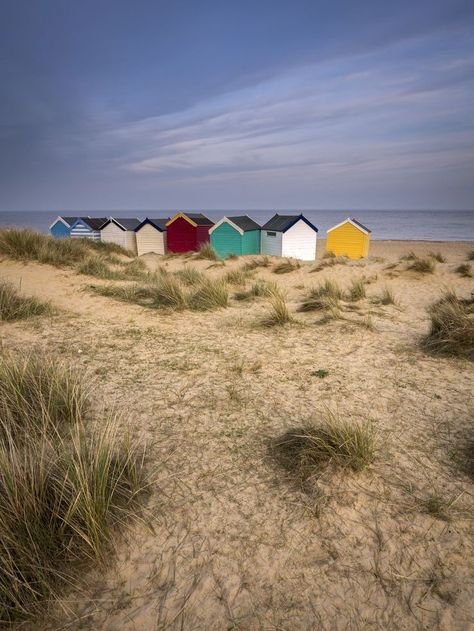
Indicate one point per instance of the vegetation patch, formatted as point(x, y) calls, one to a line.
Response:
point(261, 261)
point(387, 297)
point(437, 256)
point(321, 373)
point(206, 252)
point(357, 289)
point(307, 450)
point(259, 289)
point(452, 327)
point(278, 313)
point(64, 487)
point(14, 306)
point(286, 266)
point(325, 297)
point(464, 270)
point(212, 294)
point(237, 277)
point(190, 276)
point(422, 265)
point(329, 262)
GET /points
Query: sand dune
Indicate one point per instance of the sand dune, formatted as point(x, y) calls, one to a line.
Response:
point(228, 540)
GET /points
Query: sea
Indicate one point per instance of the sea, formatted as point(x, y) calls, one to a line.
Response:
point(415, 225)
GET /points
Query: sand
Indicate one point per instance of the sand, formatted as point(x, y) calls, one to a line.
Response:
point(227, 539)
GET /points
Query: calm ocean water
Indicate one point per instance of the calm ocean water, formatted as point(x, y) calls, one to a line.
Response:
point(431, 225)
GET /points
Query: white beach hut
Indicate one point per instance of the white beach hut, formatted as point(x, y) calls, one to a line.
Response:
point(151, 236)
point(121, 231)
point(289, 235)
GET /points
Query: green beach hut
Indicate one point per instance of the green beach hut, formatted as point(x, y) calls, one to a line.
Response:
point(235, 236)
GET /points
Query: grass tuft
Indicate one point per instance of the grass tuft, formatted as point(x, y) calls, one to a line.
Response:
point(324, 297)
point(261, 261)
point(64, 489)
point(206, 252)
point(237, 277)
point(212, 294)
point(357, 289)
point(464, 270)
point(259, 289)
point(424, 265)
point(329, 262)
point(307, 450)
point(437, 256)
point(286, 266)
point(278, 314)
point(452, 327)
point(190, 276)
point(14, 306)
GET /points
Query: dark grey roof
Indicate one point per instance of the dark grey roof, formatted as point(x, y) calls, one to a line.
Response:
point(282, 223)
point(360, 224)
point(159, 224)
point(121, 222)
point(199, 219)
point(245, 223)
point(95, 223)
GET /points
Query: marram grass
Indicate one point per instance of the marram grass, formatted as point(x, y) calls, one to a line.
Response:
point(66, 483)
point(15, 306)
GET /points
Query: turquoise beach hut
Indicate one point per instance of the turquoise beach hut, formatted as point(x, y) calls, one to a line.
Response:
point(235, 236)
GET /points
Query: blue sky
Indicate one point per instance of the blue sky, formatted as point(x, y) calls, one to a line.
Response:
point(143, 104)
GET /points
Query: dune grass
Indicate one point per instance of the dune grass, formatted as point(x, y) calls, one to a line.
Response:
point(64, 488)
point(15, 306)
point(206, 252)
point(28, 245)
point(437, 256)
point(278, 313)
point(422, 265)
point(329, 262)
point(259, 289)
point(387, 297)
point(190, 276)
point(452, 327)
point(307, 450)
point(108, 248)
point(470, 255)
point(325, 297)
point(286, 266)
point(210, 295)
point(357, 289)
point(464, 270)
point(237, 276)
point(254, 263)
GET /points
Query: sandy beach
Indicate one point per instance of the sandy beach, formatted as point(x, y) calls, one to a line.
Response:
point(229, 540)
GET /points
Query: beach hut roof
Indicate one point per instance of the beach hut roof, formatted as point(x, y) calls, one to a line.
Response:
point(242, 223)
point(197, 219)
point(159, 224)
point(122, 223)
point(68, 221)
point(354, 222)
point(94, 223)
point(282, 223)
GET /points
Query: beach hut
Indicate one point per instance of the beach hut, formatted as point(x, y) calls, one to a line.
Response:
point(121, 231)
point(87, 228)
point(289, 235)
point(151, 236)
point(235, 235)
point(349, 238)
point(61, 227)
point(186, 232)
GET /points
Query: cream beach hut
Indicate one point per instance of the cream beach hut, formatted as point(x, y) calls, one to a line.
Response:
point(151, 236)
point(121, 231)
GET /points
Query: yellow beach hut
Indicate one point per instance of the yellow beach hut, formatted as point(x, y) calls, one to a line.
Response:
point(349, 238)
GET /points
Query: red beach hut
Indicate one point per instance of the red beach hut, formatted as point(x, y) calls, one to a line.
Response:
point(186, 232)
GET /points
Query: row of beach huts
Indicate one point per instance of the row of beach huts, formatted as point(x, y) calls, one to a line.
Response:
point(283, 235)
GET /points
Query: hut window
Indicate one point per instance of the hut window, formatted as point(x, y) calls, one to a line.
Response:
point(271, 234)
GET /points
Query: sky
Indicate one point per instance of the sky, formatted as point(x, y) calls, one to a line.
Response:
point(236, 104)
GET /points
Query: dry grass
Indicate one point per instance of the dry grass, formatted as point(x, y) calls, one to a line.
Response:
point(190, 276)
point(325, 297)
point(278, 313)
point(357, 289)
point(437, 256)
point(286, 266)
point(464, 270)
point(237, 277)
point(212, 294)
point(206, 252)
point(329, 262)
point(307, 450)
point(28, 245)
point(14, 306)
point(259, 289)
point(470, 255)
point(422, 265)
point(261, 261)
point(63, 488)
point(452, 327)
point(329, 255)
